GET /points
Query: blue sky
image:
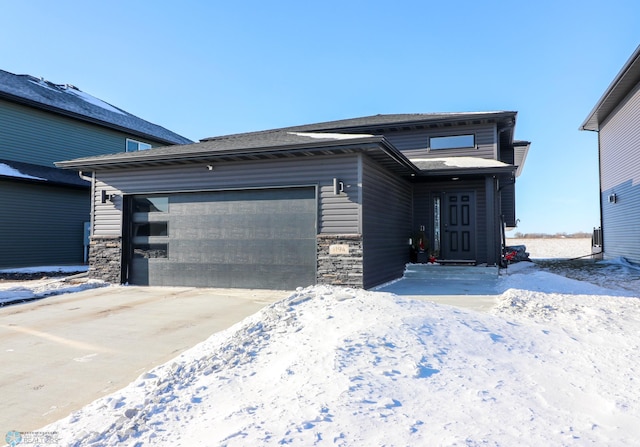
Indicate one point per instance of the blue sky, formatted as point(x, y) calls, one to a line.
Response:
point(205, 68)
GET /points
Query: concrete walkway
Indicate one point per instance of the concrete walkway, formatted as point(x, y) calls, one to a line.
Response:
point(63, 352)
point(474, 287)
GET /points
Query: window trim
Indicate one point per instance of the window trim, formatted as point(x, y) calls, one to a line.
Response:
point(452, 146)
point(140, 146)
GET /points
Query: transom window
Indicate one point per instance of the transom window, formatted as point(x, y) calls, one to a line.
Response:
point(453, 142)
point(133, 145)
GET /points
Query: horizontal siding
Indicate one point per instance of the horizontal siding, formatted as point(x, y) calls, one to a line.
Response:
point(414, 143)
point(338, 214)
point(35, 136)
point(45, 225)
point(387, 205)
point(621, 232)
point(620, 144)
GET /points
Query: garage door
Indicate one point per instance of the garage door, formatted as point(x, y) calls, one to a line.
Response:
point(250, 238)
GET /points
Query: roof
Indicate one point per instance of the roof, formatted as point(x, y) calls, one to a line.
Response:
point(379, 123)
point(623, 83)
point(276, 144)
point(334, 137)
point(66, 99)
point(15, 170)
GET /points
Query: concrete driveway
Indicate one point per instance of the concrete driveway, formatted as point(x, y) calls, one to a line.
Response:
point(63, 352)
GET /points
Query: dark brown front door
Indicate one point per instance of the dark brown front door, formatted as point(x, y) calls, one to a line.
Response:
point(459, 222)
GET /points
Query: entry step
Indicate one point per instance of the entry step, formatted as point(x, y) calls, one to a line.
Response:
point(451, 272)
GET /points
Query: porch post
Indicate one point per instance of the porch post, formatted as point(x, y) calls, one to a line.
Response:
point(490, 196)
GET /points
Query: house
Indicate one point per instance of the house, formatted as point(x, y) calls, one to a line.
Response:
point(44, 208)
point(616, 118)
point(339, 202)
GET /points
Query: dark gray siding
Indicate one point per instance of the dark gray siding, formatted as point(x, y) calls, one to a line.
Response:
point(337, 214)
point(34, 136)
point(620, 174)
point(423, 196)
point(414, 143)
point(508, 204)
point(45, 225)
point(387, 207)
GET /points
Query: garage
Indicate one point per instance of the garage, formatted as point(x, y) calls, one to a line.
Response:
point(257, 238)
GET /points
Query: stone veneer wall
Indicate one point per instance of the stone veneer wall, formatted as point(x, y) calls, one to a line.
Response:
point(105, 254)
point(340, 260)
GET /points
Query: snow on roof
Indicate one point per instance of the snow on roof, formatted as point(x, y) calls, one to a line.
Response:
point(8, 171)
point(332, 136)
point(457, 162)
point(68, 99)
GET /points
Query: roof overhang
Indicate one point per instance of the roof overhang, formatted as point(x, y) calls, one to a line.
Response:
point(623, 83)
point(376, 147)
point(452, 167)
point(520, 152)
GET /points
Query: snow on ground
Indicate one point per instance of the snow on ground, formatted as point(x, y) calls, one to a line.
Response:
point(53, 280)
point(555, 362)
point(545, 248)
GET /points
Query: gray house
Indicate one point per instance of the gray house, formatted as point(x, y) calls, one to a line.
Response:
point(347, 202)
point(44, 208)
point(616, 118)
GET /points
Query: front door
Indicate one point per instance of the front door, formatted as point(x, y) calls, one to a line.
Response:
point(459, 222)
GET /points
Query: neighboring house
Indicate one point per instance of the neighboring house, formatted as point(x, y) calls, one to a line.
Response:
point(616, 118)
point(43, 207)
point(327, 203)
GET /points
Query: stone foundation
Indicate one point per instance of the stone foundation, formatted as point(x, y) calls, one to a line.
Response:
point(105, 254)
point(340, 260)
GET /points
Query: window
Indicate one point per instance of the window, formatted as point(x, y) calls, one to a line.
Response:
point(133, 145)
point(154, 204)
point(453, 142)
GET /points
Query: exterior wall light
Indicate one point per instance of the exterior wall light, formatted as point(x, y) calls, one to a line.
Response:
point(104, 198)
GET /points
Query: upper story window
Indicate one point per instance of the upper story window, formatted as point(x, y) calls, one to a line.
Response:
point(453, 142)
point(133, 145)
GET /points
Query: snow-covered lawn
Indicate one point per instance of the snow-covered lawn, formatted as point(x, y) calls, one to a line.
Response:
point(555, 363)
point(550, 248)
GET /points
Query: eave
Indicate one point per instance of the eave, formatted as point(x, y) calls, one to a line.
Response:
point(375, 147)
point(621, 86)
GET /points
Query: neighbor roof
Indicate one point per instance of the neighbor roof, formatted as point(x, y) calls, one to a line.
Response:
point(68, 100)
point(623, 83)
point(19, 171)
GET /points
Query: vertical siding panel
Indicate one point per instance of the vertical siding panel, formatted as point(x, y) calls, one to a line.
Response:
point(387, 204)
point(620, 174)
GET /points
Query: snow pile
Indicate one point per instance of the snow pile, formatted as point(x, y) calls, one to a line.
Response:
point(344, 367)
point(22, 291)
